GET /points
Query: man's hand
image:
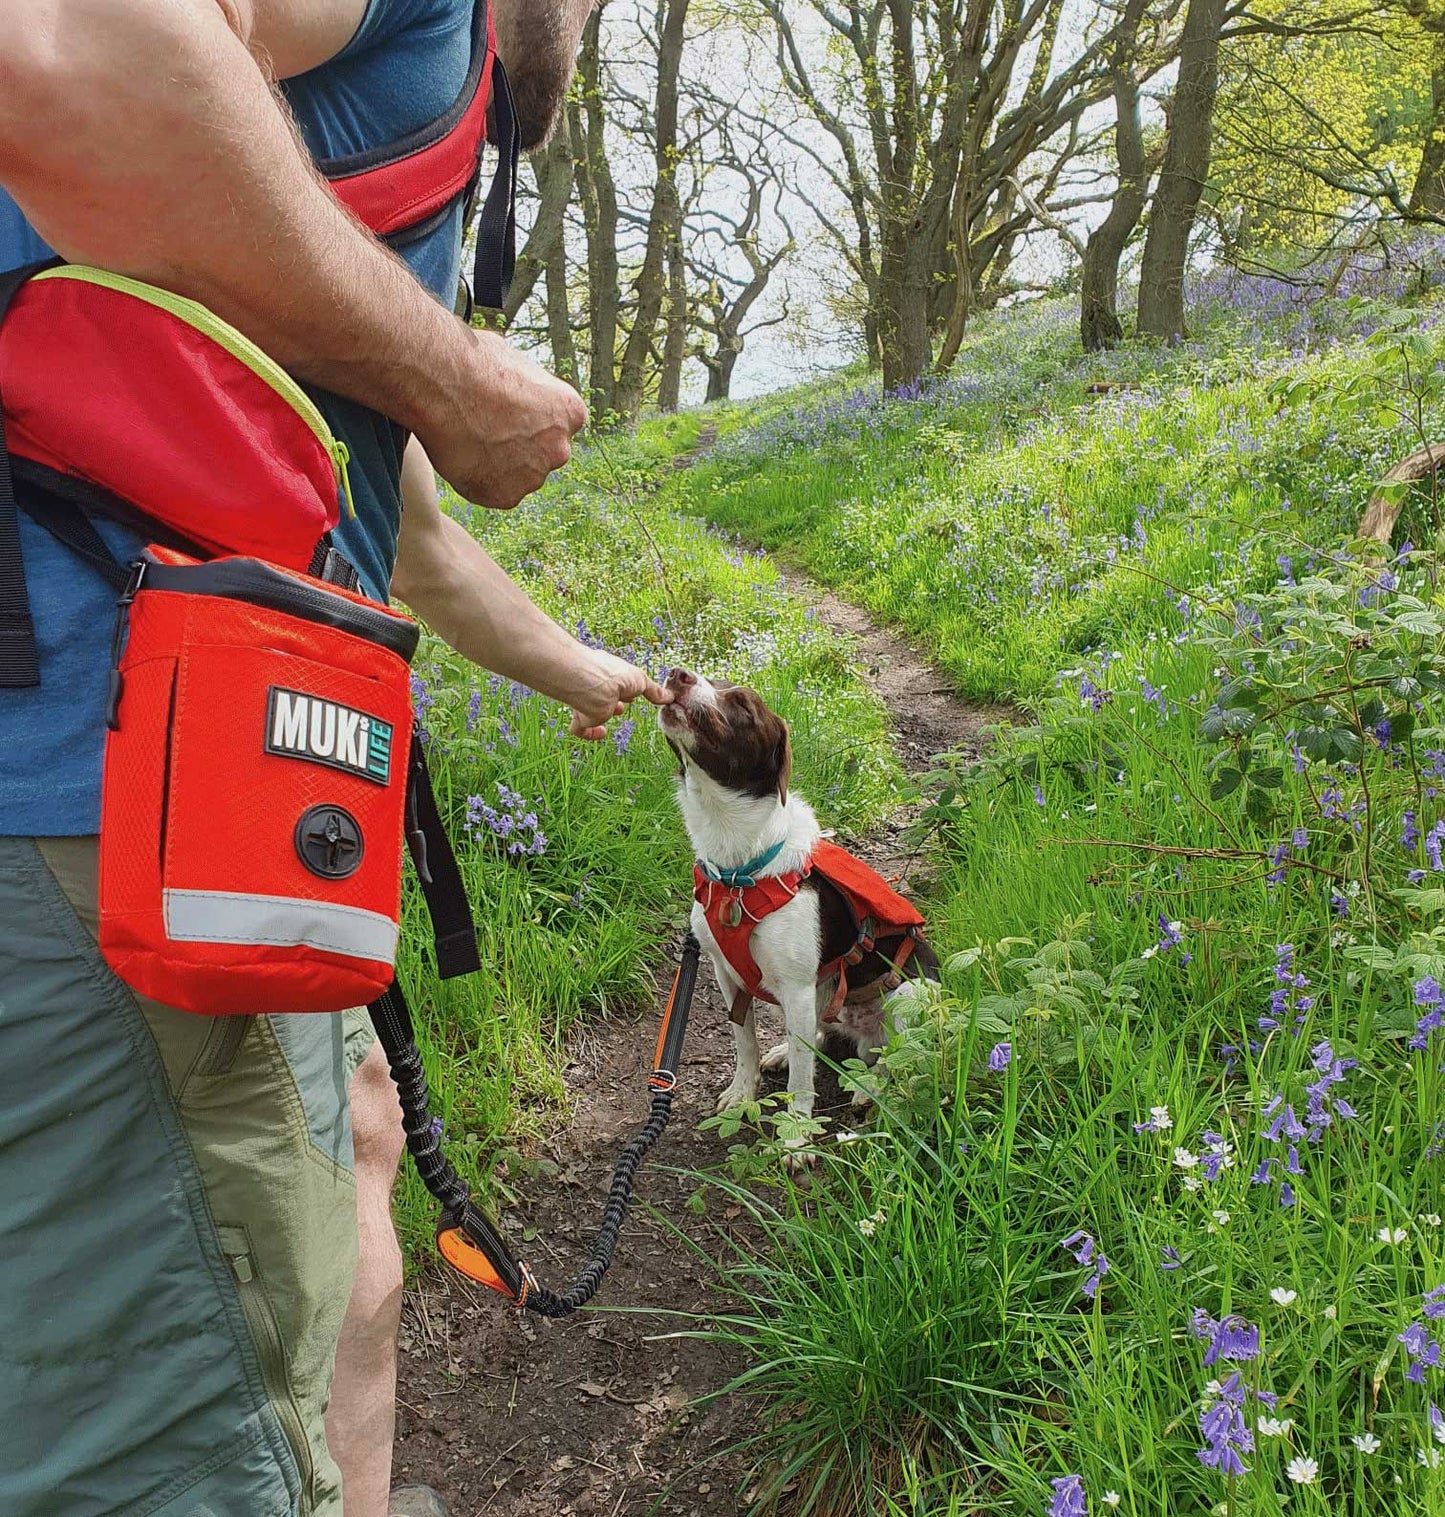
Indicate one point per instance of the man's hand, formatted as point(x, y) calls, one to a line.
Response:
point(605, 685)
point(511, 426)
point(445, 576)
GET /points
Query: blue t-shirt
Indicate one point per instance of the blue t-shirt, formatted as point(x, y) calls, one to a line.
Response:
point(404, 67)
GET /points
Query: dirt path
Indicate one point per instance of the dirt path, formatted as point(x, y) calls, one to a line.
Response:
point(596, 1415)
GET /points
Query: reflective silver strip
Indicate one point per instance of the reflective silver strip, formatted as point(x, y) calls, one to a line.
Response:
point(279, 921)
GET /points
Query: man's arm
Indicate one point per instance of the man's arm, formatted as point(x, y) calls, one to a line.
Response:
point(145, 138)
point(446, 577)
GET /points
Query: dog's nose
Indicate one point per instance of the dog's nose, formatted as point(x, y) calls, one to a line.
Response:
point(679, 680)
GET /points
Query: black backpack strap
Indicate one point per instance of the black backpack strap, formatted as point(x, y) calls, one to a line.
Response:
point(454, 930)
point(67, 523)
point(497, 228)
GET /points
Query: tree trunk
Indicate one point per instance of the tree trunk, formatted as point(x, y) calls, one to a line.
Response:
point(1182, 179)
point(598, 195)
point(559, 312)
point(553, 168)
point(666, 213)
point(1428, 196)
point(1099, 322)
point(720, 370)
point(904, 341)
point(674, 349)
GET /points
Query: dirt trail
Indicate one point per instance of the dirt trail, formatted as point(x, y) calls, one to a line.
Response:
point(594, 1416)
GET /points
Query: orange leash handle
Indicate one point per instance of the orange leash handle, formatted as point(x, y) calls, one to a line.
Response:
point(466, 1239)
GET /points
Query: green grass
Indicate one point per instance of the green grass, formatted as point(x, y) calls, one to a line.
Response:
point(1158, 574)
point(1010, 519)
point(579, 929)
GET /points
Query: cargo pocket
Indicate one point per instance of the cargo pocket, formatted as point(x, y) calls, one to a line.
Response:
point(270, 1351)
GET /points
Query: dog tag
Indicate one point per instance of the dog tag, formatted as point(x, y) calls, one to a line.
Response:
point(733, 916)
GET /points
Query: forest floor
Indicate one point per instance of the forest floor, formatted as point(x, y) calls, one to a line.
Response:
point(601, 1414)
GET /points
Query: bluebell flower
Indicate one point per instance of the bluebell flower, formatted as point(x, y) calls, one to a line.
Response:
point(1068, 1499)
point(1226, 1433)
point(1000, 1057)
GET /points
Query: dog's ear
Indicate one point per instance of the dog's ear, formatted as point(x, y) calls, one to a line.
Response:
point(785, 762)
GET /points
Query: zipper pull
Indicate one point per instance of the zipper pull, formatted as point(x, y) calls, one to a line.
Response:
point(342, 454)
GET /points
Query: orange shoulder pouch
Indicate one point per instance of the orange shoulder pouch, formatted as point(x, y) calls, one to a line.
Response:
point(254, 797)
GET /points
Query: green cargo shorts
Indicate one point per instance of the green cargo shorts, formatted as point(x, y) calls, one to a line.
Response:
point(177, 1230)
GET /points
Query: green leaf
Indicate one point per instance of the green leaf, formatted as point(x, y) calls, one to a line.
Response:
point(1239, 694)
point(1226, 782)
point(1211, 725)
point(1257, 806)
point(1271, 777)
point(1345, 745)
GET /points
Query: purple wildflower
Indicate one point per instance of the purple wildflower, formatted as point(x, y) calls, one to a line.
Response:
point(622, 735)
point(1423, 1350)
point(1428, 995)
point(1171, 1259)
point(1409, 832)
point(1000, 1056)
point(1226, 1433)
point(1433, 840)
point(1231, 1340)
point(1068, 1500)
point(1087, 1253)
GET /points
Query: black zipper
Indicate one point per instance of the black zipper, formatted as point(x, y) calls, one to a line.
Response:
point(258, 584)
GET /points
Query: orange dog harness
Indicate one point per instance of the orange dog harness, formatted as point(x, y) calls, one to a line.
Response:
point(735, 902)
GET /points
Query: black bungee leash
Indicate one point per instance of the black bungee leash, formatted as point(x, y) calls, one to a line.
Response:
point(466, 1238)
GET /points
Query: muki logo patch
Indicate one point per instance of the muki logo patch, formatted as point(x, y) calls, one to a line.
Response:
point(326, 732)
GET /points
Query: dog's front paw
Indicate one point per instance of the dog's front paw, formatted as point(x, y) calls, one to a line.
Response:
point(776, 1057)
point(799, 1154)
point(739, 1093)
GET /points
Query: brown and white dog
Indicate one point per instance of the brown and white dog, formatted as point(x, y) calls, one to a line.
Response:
point(735, 765)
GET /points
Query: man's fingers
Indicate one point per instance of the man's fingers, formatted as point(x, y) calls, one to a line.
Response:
point(582, 728)
point(656, 694)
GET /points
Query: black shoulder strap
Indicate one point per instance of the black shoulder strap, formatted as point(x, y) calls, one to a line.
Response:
point(497, 228)
point(19, 659)
point(453, 930)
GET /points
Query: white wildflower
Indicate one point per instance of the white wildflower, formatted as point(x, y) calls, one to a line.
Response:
point(1281, 1296)
point(1302, 1470)
point(1393, 1234)
point(1221, 1217)
point(1183, 1159)
point(1161, 1119)
point(1332, 1312)
point(1367, 1443)
point(1150, 951)
point(1111, 1498)
point(1193, 1182)
point(1429, 1218)
point(1273, 1427)
point(1430, 1458)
